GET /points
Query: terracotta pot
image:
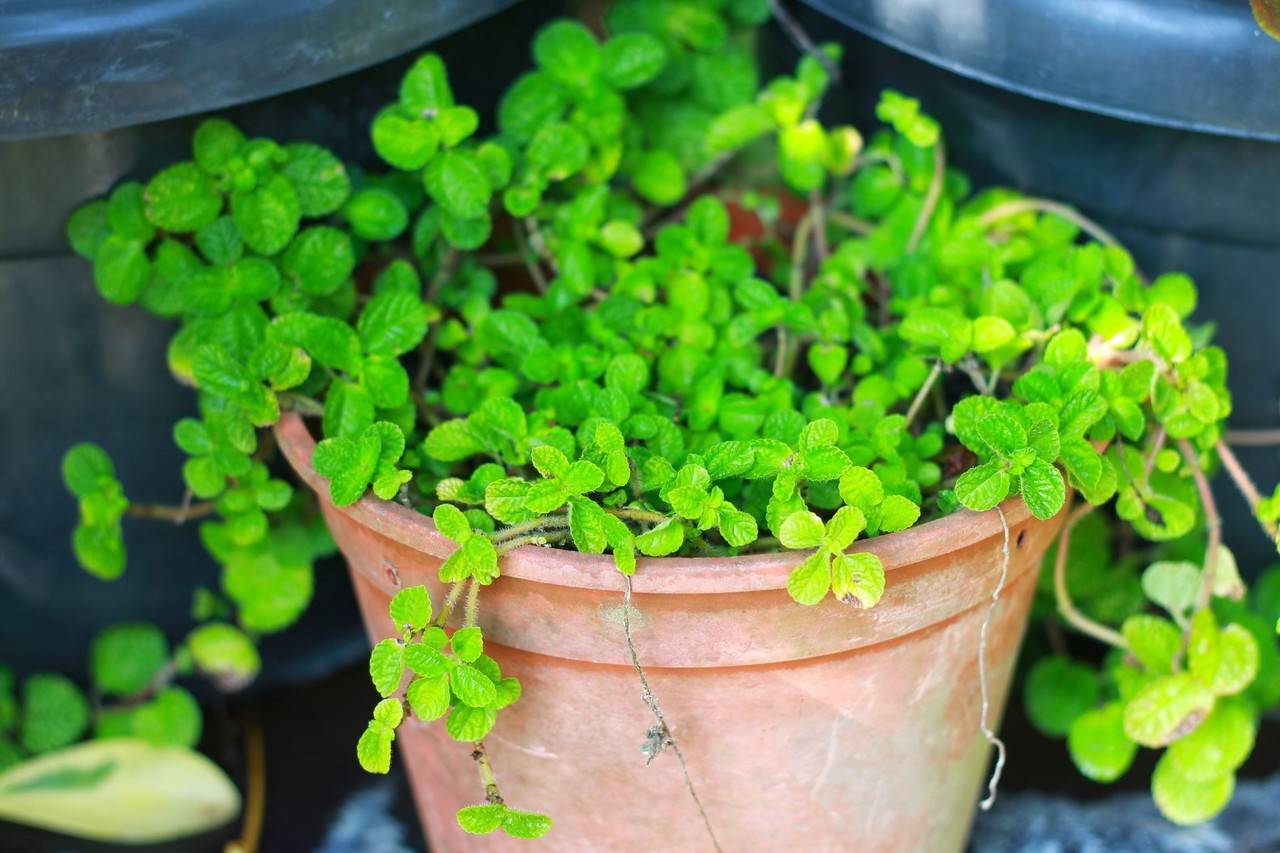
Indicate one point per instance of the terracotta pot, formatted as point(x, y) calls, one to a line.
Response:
point(815, 728)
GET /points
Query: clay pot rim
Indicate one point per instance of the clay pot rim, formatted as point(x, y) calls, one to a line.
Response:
point(662, 575)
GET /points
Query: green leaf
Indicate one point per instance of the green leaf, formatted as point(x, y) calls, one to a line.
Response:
point(1166, 709)
point(1043, 489)
point(87, 227)
point(857, 579)
point(386, 666)
point(983, 487)
point(1186, 802)
point(182, 198)
point(567, 51)
point(481, 820)
point(429, 697)
point(373, 750)
point(991, 333)
point(171, 718)
point(451, 523)
point(320, 259)
point(404, 140)
point(1153, 641)
point(467, 643)
point(736, 127)
point(392, 324)
point(1163, 330)
point(86, 468)
point(424, 89)
point(125, 657)
point(348, 410)
point(267, 215)
point(630, 60)
point(658, 177)
point(1057, 692)
point(1098, 745)
point(215, 143)
point(54, 713)
point(348, 464)
point(1002, 434)
point(587, 525)
point(1218, 746)
point(319, 179)
point(457, 182)
point(410, 608)
point(1238, 658)
point(469, 724)
point(121, 269)
point(737, 527)
point(225, 653)
point(801, 530)
point(661, 540)
point(525, 824)
point(808, 582)
point(843, 528)
point(471, 686)
point(860, 487)
point(897, 513)
point(376, 214)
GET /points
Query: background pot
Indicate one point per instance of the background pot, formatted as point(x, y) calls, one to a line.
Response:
point(1158, 119)
point(847, 729)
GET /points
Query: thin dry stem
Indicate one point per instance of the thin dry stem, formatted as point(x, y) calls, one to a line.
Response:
point(985, 723)
point(1040, 205)
point(1212, 522)
point(255, 792)
point(176, 514)
point(662, 731)
point(481, 757)
point(1253, 437)
point(450, 601)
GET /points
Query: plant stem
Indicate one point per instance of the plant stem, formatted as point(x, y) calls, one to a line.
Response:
point(818, 209)
point(1253, 437)
point(661, 733)
point(303, 405)
point(450, 601)
point(1074, 617)
point(918, 400)
point(448, 261)
point(1212, 521)
point(797, 34)
point(553, 537)
point(985, 724)
point(490, 782)
point(1244, 483)
point(637, 514)
point(471, 610)
point(515, 530)
point(176, 514)
point(931, 197)
point(795, 289)
point(850, 223)
point(255, 792)
point(1040, 205)
point(1156, 446)
point(530, 262)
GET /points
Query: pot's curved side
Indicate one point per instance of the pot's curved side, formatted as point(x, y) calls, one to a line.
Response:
point(826, 728)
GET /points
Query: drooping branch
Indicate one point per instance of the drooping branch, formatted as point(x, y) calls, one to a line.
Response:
point(931, 197)
point(1040, 205)
point(176, 514)
point(1066, 607)
point(1212, 522)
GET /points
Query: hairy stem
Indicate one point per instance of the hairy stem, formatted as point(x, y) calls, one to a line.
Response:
point(548, 522)
point(637, 514)
point(450, 601)
point(1040, 205)
point(551, 537)
point(661, 734)
point(931, 197)
point(471, 610)
point(1212, 522)
point(1066, 607)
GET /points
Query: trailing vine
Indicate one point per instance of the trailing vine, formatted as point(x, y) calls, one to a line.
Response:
point(557, 335)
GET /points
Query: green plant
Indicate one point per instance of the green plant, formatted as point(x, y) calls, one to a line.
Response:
point(553, 336)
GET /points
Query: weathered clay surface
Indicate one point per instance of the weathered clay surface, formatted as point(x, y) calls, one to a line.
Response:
point(806, 728)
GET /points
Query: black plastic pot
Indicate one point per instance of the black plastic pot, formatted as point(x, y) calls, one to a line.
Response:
point(73, 367)
point(1158, 119)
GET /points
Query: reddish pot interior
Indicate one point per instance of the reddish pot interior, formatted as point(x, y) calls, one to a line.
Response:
point(825, 726)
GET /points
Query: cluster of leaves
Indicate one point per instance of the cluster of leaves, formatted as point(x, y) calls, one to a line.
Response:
point(131, 669)
point(621, 372)
point(1192, 682)
point(434, 673)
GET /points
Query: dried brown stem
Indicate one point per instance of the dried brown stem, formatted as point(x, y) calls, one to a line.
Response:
point(931, 197)
point(1212, 522)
